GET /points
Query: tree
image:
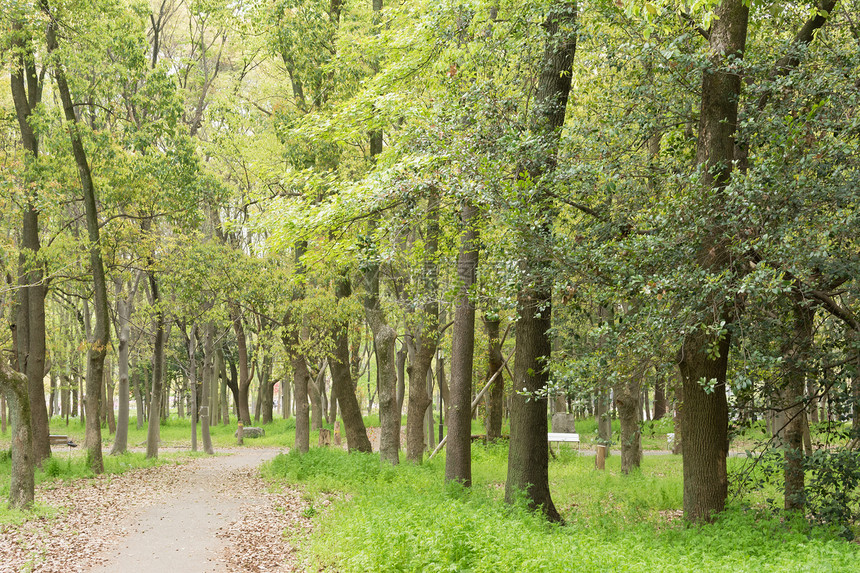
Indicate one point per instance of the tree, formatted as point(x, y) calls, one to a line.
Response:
point(14, 387)
point(458, 461)
point(528, 458)
point(101, 333)
point(27, 88)
point(425, 334)
point(343, 386)
point(124, 307)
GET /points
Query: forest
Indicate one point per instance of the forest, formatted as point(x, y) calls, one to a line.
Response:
point(442, 226)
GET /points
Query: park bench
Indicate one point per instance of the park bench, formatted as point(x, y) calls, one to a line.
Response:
point(60, 440)
point(562, 437)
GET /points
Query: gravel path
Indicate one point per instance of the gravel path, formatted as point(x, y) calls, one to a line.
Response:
point(209, 515)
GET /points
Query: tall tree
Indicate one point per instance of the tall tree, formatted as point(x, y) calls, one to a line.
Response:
point(101, 331)
point(153, 432)
point(13, 385)
point(27, 86)
point(528, 460)
point(703, 358)
point(124, 308)
point(343, 385)
point(458, 460)
point(426, 334)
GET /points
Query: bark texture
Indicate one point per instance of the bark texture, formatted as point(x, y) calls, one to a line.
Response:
point(384, 338)
point(795, 354)
point(426, 337)
point(627, 403)
point(496, 396)
point(245, 373)
point(26, 86)
point(153, 431)
point(528, 459)
point(208, 375)
point(22, 481)
point(301, 375)
point(705, 412)
point(458, 458)
point(343, 386)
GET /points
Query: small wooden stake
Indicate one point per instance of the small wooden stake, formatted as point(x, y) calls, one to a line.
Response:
point(239, 434)
point(600, 460)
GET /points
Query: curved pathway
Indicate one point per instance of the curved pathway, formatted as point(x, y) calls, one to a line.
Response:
point(210, 514)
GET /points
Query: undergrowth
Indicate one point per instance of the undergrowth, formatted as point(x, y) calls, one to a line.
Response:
point(404, 519)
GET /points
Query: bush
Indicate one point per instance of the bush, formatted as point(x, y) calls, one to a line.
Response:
point(833, 489)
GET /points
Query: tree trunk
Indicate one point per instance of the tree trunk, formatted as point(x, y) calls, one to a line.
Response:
point(704, 426)
point(811, 391)
point(384, 338)
point(646, 405)
point(627, 403)
point(22, 482)
point(53, 397)
point(215, 386)
point(301, 376)
point(426, 338)
point(332, 404)
point(496, 394)
point(124, 304)
point(64, 401)
point(458, 459)
point(153, 433)
point(705, 412)
point(109, 400)
point(208, 375)
point(30, 321)
point(444, 394)
point(301, 379)
point(267, 387)
point(678, 391)
point(401, 357)
point(101, 333)
point(342, 385)
point(222, 374)
point(286, 399)
point(429, 419)
point(244, 374)
point(604, 419)
point(315, 395)
point(659, 397)
point(795, 353)
point(192, 383)
point(139, 400)
point(528, 459)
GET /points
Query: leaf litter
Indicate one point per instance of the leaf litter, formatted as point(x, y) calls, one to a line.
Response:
point(93, 513)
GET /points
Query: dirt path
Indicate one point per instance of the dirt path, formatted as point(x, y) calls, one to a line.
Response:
point(210, 515)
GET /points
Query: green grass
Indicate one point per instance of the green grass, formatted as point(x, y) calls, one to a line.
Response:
point(405, 519)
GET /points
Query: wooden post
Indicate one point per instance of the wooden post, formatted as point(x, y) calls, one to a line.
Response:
point(600, 460)
point(240, 433)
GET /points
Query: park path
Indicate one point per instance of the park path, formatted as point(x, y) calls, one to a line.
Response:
point(207, 515)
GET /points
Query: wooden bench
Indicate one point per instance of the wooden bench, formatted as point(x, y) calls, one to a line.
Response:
point(60, 440)
point(563, 437)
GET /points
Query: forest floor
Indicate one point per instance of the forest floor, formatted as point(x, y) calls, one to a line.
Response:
point(209, 514)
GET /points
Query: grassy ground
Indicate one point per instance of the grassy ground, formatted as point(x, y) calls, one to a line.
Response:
point(373, 517)
point(376, 518)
